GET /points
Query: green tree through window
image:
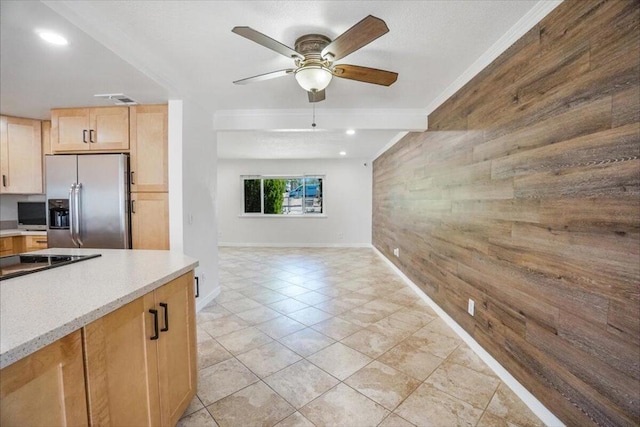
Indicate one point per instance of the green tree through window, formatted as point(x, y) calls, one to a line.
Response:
point(274, 190)
point(283, 195)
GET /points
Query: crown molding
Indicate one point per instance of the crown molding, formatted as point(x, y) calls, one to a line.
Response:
point(524, 24)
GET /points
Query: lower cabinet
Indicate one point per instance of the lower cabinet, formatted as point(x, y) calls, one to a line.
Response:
point(45, 388)
point(17, 244)
point(6, 246)
point(139, 368)
point(141, 359)
point(150, 220)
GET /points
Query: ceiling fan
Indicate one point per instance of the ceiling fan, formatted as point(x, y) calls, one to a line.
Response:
point(314, 57)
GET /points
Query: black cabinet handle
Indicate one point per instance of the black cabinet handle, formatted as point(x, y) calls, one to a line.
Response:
point(4, 180)
point(133, 206)
point(166, 316)
point(155, 324)
point(91, 131)
point(84, 136)
point(132, 183)
point(197, 287)
point(41, 241)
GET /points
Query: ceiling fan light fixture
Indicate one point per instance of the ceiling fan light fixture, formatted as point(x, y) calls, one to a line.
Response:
point(313, 78)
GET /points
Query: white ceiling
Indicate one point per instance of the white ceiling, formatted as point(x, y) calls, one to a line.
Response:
point(158, 50)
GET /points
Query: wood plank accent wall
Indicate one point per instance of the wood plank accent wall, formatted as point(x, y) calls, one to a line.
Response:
point(524, 194)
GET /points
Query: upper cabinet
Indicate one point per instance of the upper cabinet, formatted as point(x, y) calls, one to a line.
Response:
point(89, 129)
point(46, 137)
point(20, 156)
point(149, 148)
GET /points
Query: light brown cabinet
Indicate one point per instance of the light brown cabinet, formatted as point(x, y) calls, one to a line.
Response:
point(46, 137)
point(6, 246)
point(149, 177)
point(20, 156)
point(89, 129)
point(149, 148)
point(46, 388)
point(122, 367)
point(34, 243)
point(141, 359)
point(17, 244)
point(150, 220)
point(177, 354)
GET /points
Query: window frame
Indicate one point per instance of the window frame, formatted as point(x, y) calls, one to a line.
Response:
point(262, 178)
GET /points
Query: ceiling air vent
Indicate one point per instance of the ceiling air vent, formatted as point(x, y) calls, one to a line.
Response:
point(117, 98)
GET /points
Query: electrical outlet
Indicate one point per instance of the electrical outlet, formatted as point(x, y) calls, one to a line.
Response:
point(396, 252)
point(471, 306)
point(340, 236)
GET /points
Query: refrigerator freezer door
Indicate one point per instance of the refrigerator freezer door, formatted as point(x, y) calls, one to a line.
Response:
point(104, 201)
point(62, 172)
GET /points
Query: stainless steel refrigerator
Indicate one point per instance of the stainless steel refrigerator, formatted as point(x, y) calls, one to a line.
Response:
point(88, 201)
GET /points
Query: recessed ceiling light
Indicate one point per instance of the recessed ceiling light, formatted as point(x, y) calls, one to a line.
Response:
point(343, 153)
point(351, 132)
point(53, 38)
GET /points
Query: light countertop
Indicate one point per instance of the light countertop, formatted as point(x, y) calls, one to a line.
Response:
point(18, 232)
point(40, 308)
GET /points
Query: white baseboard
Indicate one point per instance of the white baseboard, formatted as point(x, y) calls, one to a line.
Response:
point(529, 399)
point(201, 302)
point(294, 245)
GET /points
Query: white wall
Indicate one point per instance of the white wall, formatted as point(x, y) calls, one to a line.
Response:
point(199, 155)
point(347, 202)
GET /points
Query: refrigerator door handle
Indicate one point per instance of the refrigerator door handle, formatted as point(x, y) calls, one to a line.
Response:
point(78, 213)
point(72, 211)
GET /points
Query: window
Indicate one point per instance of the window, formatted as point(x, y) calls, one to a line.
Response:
point(299, 195)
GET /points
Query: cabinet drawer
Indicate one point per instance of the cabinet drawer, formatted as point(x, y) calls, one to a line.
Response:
point(33, 243)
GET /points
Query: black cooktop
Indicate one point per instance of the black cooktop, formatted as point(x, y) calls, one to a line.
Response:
point(19, 265)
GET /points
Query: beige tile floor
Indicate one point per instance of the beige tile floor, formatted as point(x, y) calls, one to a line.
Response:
point(332, 337)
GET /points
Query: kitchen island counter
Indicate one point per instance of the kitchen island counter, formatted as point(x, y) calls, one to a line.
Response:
point(40, 308)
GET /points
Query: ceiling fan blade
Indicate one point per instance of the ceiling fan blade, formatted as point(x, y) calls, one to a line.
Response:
point(361, 34)
point(365, 74)
point(316, 96)
point(266, 41)
point(265, 76)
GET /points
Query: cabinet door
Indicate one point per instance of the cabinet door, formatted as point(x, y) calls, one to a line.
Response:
point(121, 366)
point(46, 137)
point(177, 370)
point(45, 388)
point(6, 246)
point(149, 148)
point(150, 220)
point(109, 129)
point(46, 149)
point(70, 129)
point(21, 156)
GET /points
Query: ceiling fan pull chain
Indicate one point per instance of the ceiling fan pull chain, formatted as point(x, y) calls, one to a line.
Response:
point(313, 124)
